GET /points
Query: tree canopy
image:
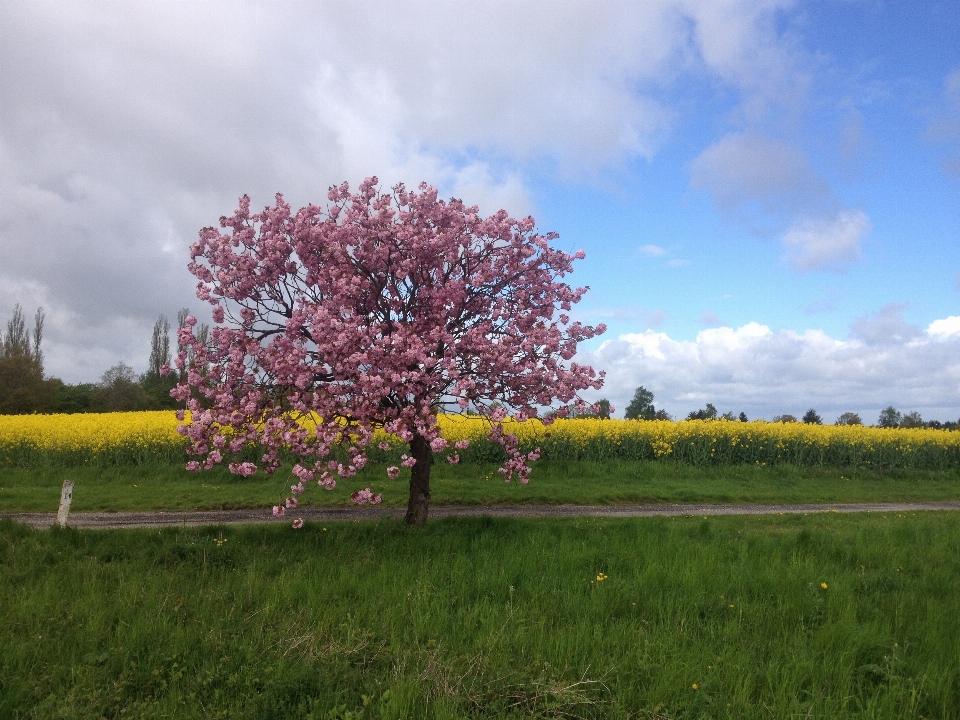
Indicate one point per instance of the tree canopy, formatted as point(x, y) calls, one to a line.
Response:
point(890, 417)
point(22, 385)
point(707, 413)
point(849, 418)
point(378, 310)
point(641, 406)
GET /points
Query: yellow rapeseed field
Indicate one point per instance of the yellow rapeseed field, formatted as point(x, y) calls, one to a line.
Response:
point(121, 438)
point(705, 442)
point(140, 437)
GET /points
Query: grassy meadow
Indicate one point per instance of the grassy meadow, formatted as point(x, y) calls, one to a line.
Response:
point(170, 487)
point(819, 616)
point(826, 616)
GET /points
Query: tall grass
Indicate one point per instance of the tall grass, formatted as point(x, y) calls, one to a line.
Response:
point(827, 616)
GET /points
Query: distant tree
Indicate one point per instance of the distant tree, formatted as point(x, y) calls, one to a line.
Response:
point(889, 418)
point(708, 413)
point(912, 420)
point(743, 417)
point(159, 345)
point(728, 416)
point(603, 409)
point(119, 391)
point(785, 419)
point(73, 398)
point(16, 341)
point(599, 410)
point(641, 407)
point(810, 417)
point(23, 388)
point(662, 415)
point(849, 418)
point(154, 381)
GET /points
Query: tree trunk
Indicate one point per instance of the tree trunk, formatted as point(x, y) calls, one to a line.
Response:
point(419, 502)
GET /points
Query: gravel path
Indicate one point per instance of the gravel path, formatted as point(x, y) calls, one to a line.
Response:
point(115, 520)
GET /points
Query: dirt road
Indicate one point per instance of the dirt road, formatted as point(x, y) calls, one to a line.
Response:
point(245, 517)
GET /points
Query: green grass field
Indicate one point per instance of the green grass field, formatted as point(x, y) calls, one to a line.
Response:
point(825, 616)
point(169, 487)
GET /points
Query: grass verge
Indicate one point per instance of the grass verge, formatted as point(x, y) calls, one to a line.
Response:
point(170, 487)
point(796, 616)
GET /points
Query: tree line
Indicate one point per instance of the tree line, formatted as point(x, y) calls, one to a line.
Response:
point(24, 387)
point(641, 408)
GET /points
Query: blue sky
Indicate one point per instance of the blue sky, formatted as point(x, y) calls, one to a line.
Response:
point(768, 191)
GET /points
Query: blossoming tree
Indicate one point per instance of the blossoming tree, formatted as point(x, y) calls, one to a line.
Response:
point(376, 311)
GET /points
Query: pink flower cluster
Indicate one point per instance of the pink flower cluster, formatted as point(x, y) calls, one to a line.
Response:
point(373, 312)
point(362, 497)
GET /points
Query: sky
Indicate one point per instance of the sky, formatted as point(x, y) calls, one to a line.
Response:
point(767, 191)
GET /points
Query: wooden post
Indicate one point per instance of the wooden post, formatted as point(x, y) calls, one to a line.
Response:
point(66, 496)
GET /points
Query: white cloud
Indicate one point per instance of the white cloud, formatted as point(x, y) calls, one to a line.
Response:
point(126, 127)
point(709, 319)
point(830, 243)
point(766, 373)
point(770, 184)
point(886, 327)
point(653, 250)
point(651, 317)
point(746, 168)
point(945, 327)
point(739, 42)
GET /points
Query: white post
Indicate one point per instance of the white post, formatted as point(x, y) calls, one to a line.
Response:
point(66, 496)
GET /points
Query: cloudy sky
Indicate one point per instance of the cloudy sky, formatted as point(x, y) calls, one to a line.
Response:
point(768, 191)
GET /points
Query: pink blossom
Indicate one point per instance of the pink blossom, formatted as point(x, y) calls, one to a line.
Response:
point(461, 444)
point(305, 474)
point(453, 459)
point(278, 510)
point(291, 503)
point(298, 523)
point(485, 324)
point(245, 469)
point(326, 481)
point(393, 472)
point(362, 497)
